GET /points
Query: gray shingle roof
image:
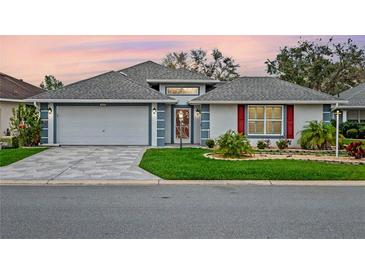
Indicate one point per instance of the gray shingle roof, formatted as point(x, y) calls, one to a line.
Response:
point(143, 71)
point(153, 71)
point(14, 89)
point(181, 74)
point(256, 89)
point(355, 96)
point(111, 85)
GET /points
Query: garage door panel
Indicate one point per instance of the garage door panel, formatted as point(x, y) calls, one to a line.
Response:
point(94, 125)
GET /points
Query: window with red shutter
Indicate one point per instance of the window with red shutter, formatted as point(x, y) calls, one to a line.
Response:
point(290, 121)
point(241, 119)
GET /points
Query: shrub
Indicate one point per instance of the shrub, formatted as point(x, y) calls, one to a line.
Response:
point(344, 127)
point(356, 149)
point(234, 144)
point(262, 144)
point(317, 135)
point(210, 143)
point(352, 133)
point(361, 132)
point(26, 125)
point(9, 141)
point(283, 143)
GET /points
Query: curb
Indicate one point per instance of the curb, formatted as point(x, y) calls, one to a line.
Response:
point(161, 182)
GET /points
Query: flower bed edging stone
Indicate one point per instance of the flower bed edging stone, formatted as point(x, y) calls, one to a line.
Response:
point(262, 156)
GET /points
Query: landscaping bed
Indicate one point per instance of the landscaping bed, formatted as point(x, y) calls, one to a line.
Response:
point(303, 156)
point(12, 155)
point(190, 164)
point(299, 151)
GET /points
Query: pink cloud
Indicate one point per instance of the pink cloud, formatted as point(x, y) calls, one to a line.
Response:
point(72, 58)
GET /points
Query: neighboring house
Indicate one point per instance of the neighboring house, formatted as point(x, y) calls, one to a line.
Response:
point(12, 92)
point(141, 105)
point(355, 109)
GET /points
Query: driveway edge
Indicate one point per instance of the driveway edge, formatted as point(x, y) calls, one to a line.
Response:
point(104, 182)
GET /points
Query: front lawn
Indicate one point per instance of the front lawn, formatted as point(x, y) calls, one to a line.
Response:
point(11, 155)
point(190, 164)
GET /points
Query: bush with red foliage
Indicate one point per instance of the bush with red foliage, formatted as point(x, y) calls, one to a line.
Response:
point(356, 149)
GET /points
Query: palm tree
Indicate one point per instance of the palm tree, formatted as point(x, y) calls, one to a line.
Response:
point(317, 135)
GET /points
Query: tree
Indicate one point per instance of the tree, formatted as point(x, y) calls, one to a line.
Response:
point(217, 66)
point(51, 83)
point(26, 125)
point(328, 67)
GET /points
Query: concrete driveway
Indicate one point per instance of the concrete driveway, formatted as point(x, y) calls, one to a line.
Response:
point(80, 162)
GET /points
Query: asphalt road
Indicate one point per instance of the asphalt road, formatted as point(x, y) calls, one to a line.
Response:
point(182, 212)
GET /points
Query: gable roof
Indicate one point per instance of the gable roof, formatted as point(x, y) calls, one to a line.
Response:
point(355, 96)
point(15, 89)
point(151, 72)
point(263, 90)
point(110, 86)
point(181, 74)
point(143, 71)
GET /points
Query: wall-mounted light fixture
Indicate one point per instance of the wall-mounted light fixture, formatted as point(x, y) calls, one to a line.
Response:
point(154, 110)
point(197, 111)
point(49, 111)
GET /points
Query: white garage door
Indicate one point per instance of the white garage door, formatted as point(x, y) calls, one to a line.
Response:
point(108, 125)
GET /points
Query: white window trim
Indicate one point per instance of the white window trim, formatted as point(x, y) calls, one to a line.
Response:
point(264, 120)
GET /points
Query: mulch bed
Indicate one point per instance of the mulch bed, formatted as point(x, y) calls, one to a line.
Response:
point(290, 156)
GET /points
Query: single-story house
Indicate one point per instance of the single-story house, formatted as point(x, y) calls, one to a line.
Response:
point(144, 104)
point(355, 109)
point(12, 92)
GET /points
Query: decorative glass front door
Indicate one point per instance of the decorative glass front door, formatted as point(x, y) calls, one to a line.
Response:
point(184, 130)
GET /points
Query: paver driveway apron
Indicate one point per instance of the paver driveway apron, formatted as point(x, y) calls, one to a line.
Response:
point(80, 162)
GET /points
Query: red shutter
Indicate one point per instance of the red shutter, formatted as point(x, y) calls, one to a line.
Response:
point(241, 119)
point(290, 122)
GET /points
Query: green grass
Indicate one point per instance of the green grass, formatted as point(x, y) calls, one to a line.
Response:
point(12, 155)
point(349, 141)
point(190, 164)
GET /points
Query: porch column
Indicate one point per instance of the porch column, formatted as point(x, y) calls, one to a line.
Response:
point(205, 124)
point(344, 116)
point(44, 123)
point(161, 120)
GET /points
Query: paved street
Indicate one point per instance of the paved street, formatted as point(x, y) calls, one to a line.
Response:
point(80, 162)
point(182, 212)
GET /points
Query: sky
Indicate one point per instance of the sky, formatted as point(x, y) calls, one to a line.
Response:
point(73, 58)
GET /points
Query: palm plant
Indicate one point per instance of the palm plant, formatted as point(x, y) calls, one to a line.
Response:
point(317, 135)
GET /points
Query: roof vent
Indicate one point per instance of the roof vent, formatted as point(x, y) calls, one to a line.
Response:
point(123, 73)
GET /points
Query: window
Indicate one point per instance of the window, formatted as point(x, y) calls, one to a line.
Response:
point(182, 90)
point(352, 115)
point(362, 116)
point(265, 120)
point(356, 116)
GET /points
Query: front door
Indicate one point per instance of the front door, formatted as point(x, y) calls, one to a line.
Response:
point(182, 125)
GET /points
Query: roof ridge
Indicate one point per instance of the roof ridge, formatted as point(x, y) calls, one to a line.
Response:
point(146, 87)
point(16, 81)
point(307, 88)
point(186, 69)
point(270, 77)
point(356, 92)
point(148, 61)
point(83, 80)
